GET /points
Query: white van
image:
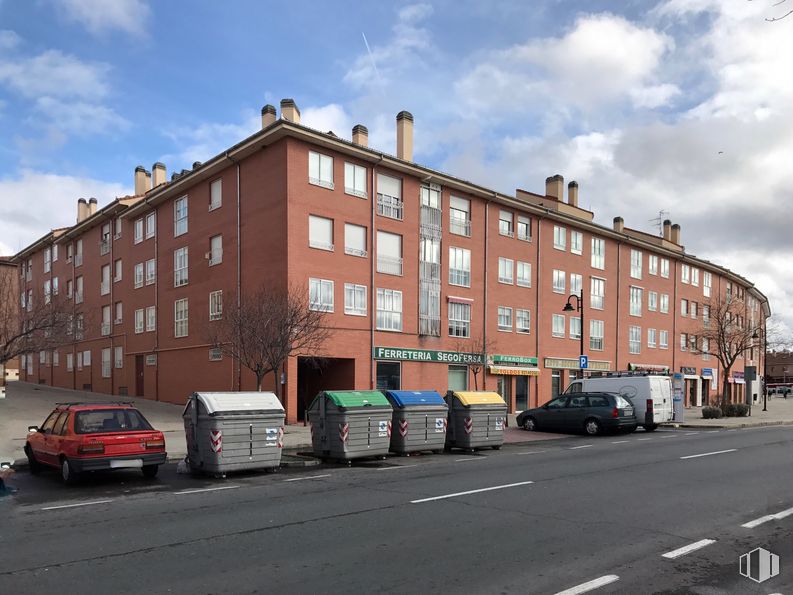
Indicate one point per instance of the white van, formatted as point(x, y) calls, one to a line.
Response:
point(651, 395)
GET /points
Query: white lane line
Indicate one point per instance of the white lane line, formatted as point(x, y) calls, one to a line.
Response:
point(669, 436)
point(733, 430)
point(198, 491)
point(620, 441)
point(469, 459)
point(308, 477)
point(531, 452)
point(591, 585)
point(577, 447)
point(768, 517)
point(691, 433)
point(640, 439)
point(397, 467)
point(707, 454)
point(75, 505)
point(502, 487)
point(691, 547)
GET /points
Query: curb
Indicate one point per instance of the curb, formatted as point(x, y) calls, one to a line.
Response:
point(757, 424)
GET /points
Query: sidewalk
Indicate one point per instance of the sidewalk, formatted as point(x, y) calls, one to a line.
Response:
point(780, 412)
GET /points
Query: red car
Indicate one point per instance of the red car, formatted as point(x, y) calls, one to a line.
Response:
point(80, 437)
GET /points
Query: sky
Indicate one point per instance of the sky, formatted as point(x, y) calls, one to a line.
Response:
point(680, 106)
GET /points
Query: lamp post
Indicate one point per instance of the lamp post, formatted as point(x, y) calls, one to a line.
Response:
point(579, 307)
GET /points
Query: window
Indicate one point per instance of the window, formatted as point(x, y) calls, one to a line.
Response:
point(524, 274)
point(87, 358)
point(504, 318)
point(320, 294)
point(215, 354)
point(215, 194)
point(636, 264)
point(320, 170)
point(139, 275)
point(119, 317)
point(78, 292)
point(47, 291)
point(55, 286)
point(216, 305)
point(78, 256)
point(684, 307)
point(706, 348)
point(151, 318)
point(180, 216)
point(117, 270)
point(557, 325)
point(664, 309)
point(180, 312)
point(596, 335)
point(635, 339)
point(652, 264)
point(523, 321)
point(459, 267)
point(180, 259)
point(47, 260)
point(355, 240)
point(505, 270)
point(140, 320)
point(355, 299)
point(215, 250)
point(69, 362)
point(460, 216)
point(106, 363)
point(389, 310)
point(683, 341)
point(636, 301)
point(505, 224)
point(706, 283)
point(558, 281)
point(117, 228)
point(685, 274)
point(320, 232)
point(151, 225)
point(692, 343)
point(457, 378)
point(651, 338)
point(105, 327)
point(693, 309)
point(459, 319)
point(576, 283)
point(389, 196)
point(559, 237)
point(56, 358)
point(665, 268)
point(524, 228)
point(139, 230)
point(598, 253)
point(389, 253)
point(388, 375)
point(706, 316)
point(652, 301)
point(69, 252)
point(597, 293)
point(576, 242)
point(69, 291)
point(575, 327)
point(695, 277)
point(355, 180)
point(55, 253)
point(118, 356)
point(151, 359)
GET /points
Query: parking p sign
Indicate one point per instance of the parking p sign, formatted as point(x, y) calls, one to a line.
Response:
point(583, 362)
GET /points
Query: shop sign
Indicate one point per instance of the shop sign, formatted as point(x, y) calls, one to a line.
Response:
point(707, 372)
point(648, 368)
point(425, 355)
point(514, 359)
point(573, 364)
point(688, 371)
point(513, 370)
point(738, 378)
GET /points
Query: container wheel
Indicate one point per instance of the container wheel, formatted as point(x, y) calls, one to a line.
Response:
point(497, 447)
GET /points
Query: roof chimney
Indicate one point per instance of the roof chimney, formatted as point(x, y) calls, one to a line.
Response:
point(667, 230)
point(619, 224)
point(268, 115)
point(405, 136)
point(360, 135)
point(158, 170)
point(92, 204)
point(82, 210)
point(196, 164)
point(675, 234)
point(554, 187)
point(142, 181)
point(289, 111)
point(572, 194)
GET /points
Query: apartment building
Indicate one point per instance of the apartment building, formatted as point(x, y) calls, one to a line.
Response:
point(428, 281)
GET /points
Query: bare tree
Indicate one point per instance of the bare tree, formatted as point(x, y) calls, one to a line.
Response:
point(779, 18)
point(269, 326)
point(476, 346)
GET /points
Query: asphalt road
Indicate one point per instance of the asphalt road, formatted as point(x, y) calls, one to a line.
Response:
point(527, 519)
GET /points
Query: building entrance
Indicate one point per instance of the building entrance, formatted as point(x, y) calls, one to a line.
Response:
point(317, 374)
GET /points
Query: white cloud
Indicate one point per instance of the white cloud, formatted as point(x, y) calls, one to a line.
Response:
point(81, 118)
point(101, 16)
point(55, 74)
point(654, 96)
point(331, 117)
point(8, 39)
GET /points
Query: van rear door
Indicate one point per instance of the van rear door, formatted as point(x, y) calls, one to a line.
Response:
point(661, 394)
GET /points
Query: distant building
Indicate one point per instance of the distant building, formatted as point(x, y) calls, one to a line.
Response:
point(9, 288)
point(779, 367)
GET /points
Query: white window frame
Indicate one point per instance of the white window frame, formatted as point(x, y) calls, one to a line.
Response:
point(459, 266)
point(684, 307)
point(636, 297)
point(707, 283)
point(181, 272)
point(652, 301)
point(559, 282)
point(458, 225)
point(315, 170)
point(576, 283)
point(685, 274)
point(349, 247)
point(318, 289)
point(575, 327)
point(665, 268)
point(138, 230)
point(506, 270)
point(151, 319)
point(215, 194)
point(389, 319)
point(140, 320)
point(317, 228)
point(459, 320)
point(215, 249)
point(559, 237)
point(216, 304)
point(505, 223)
point(598, 255)
point(357, 305)
point(151, 271)
point(651, 338)
point(636, 264)
point(523, 321)
point(663, 305)
point(139, 276)
point(558, 324)
point(118, 270)
point(118, 357)
point(523, 274)
point(663, 339)
point(634, 339)
point(180, 214)
point(576, 242)
point(524, 228)
point(597, 293)
point(505, 319)
point(181, 314)
point(652, 264)
point(359, 176)
point(151, 225)
point(695, 276)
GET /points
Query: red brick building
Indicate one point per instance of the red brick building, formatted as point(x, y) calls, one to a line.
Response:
point(429, 281)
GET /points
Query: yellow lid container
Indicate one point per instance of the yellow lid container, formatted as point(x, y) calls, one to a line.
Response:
point(479, 398)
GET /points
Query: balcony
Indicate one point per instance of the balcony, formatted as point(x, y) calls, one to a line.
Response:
point(429, 271)
point(389, 265)
point(429, 325)
point(459, 277)
point(430, 221)
point(356, 252)
point(389, 206)
point(460, 227)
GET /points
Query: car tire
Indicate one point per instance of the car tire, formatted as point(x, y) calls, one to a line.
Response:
point(530, 424)
point(592, 427)
point(68, 474)
point(631, 429)
point(33, 463)
point(651, 428)
point(150, 470)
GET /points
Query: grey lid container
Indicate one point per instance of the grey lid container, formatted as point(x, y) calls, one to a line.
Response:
point(418, 422)
point(233, 431)
point(476, 420)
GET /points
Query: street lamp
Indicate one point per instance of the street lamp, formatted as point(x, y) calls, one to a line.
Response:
point(755, 337)
point(579, 307)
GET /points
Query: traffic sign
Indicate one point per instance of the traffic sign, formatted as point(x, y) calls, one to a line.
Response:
point(583, 362)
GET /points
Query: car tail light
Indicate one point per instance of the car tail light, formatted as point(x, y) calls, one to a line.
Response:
point(92, 448)
point(152, 444)
point(615, 412)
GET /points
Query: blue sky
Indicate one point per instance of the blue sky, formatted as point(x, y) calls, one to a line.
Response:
point(684, 106)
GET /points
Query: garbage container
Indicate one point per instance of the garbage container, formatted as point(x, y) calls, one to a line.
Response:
point(233, 431)
point(476, 419)
point(348, 425)
point(418, 422)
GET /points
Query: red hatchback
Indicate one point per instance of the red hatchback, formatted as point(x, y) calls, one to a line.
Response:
point(80, 437)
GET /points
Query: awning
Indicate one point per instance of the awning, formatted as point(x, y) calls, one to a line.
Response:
point(648, 368)
point(514, 370)
point(458, 300)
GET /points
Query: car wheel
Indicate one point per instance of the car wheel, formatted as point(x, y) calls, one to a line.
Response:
point(651, 428)
point(33, 463)
point(592, 427)
point(530, 424)
point(150, 470)
point(68, 474)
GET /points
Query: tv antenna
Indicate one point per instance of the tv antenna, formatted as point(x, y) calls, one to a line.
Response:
point(659, 221)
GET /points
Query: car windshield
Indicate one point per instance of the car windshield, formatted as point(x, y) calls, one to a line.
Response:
point(110, 420)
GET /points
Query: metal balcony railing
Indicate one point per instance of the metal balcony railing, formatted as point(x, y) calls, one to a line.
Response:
point(389, 206)
point(389, 265)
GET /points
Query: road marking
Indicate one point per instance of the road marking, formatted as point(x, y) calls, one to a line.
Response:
point(640, 439)
point(75, 505)
point(669, 436)
point(691, 433)
point(707, 454)
point(308, 477)
point(691, 547)
point(577, 447)
point(475, 458)
point(502, 487)
point(397, 467)
point(591, 585)
point(620, 441)
point(205, 490)
point(531, 452)
point(733, 430)
point(768, 517)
